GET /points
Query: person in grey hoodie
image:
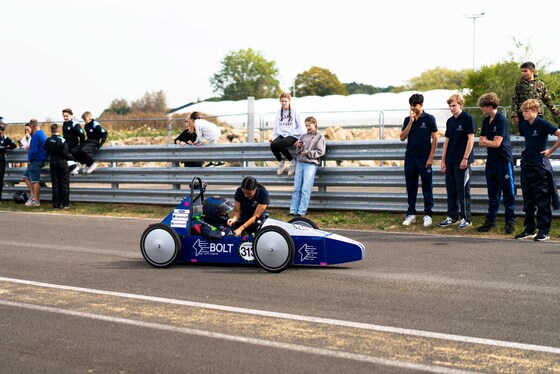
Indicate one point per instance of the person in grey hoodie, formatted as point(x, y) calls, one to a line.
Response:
point(310, 148)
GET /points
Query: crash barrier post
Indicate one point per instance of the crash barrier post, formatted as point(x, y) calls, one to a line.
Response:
point(154, 174)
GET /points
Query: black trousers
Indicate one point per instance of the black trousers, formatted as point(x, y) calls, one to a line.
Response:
point(60, 179)
point(537, 196)
point(84, 154)
point(458, 185)
point(413, 168)
point(2, 171)
point(281, 147)
point(499, 179)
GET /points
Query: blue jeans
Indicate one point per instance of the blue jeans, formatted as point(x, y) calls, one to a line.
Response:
point(33, 171)
point(303, 185)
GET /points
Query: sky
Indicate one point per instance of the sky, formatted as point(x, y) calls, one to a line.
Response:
point(83, 54)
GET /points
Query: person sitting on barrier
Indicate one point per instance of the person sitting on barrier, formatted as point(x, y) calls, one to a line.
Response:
point(96, 137)
point(6, 144)
point(188, 137)
point(74, 135)
point(206, 132)
point(311, 147)
point(251, 201)
point(287, 130)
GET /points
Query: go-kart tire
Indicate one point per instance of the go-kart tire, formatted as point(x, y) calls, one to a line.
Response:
point(160, 245)
point(273, 249)
point(305, 222)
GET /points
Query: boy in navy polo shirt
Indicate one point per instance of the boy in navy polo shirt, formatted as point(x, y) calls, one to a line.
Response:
point(494, 135)
point(421, 130)
point(455, 162)
point(537, 177)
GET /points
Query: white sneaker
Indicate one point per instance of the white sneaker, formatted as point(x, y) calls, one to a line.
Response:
point(464, 224)
point(292, 168)
point(75, 171)
point(427, 221)
point(409, 220)
point(91, 168)
point(281, 167)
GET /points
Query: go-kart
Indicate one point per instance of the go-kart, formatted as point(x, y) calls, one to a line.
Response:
point(274, 246)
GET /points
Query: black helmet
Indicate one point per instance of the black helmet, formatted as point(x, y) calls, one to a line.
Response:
point(20, 197)
point(216, 208)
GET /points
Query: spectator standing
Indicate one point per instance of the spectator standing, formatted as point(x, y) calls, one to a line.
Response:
point(74, 135)
point(187, 137)
point(26, 138)
point(96, 137)
point(310, 148)
point(251, 201)
point(494, 135)
point(420, 129)
point(36, 157)
point(455, 163)
point(287, 130)
point(530, 87)
point(57, 150)
point(537, 175)
point(206, 132)
point(6, 144)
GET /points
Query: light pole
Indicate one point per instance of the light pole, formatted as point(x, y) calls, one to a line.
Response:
point(474, 17)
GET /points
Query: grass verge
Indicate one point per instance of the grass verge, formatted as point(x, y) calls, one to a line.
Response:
point(349, 220)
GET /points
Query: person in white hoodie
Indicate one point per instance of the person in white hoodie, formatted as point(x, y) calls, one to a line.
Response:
point(288, 127)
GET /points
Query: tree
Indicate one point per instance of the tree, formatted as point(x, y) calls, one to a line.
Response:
point(319, 82)
point(354, 88)
point(154, 102)
point(438, 78)
point(246, 73)
point(499, 78)
point(118, 106)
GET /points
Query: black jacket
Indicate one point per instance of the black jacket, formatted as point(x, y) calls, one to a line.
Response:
point(57, 148)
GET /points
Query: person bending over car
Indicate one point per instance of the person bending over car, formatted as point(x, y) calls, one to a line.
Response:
point(251, 201)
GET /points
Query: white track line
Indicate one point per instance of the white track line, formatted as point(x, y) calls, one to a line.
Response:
point(294, 317)
point(242, 339)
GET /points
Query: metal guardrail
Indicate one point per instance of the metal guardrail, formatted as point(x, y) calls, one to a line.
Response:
point(154, 175)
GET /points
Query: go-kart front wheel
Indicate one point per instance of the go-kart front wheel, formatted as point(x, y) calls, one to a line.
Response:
point(273, 249)
point(305, 222)
point(160, 245)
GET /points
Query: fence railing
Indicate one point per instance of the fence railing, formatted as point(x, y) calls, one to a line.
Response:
point(154, 175)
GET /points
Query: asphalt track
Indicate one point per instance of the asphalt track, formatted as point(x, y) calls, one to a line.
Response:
point(76, 296)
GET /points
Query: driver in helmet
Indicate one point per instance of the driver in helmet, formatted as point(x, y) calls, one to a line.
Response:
point(215, 210)
point(251, 201)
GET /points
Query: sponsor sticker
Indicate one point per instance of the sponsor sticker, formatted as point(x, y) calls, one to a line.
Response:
point(203, 248)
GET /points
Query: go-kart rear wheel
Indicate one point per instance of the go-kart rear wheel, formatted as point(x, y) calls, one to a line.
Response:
point(160, 245)
point(274, 249)
point(305, 222)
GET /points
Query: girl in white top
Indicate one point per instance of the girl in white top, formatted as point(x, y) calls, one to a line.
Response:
point(205, 131)
point(24, 142)
point(288, 127)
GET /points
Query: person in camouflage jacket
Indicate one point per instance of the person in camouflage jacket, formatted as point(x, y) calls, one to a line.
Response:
point(530, 87)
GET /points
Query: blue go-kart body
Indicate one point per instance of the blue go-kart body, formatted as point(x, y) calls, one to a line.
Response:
point(275, 245)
